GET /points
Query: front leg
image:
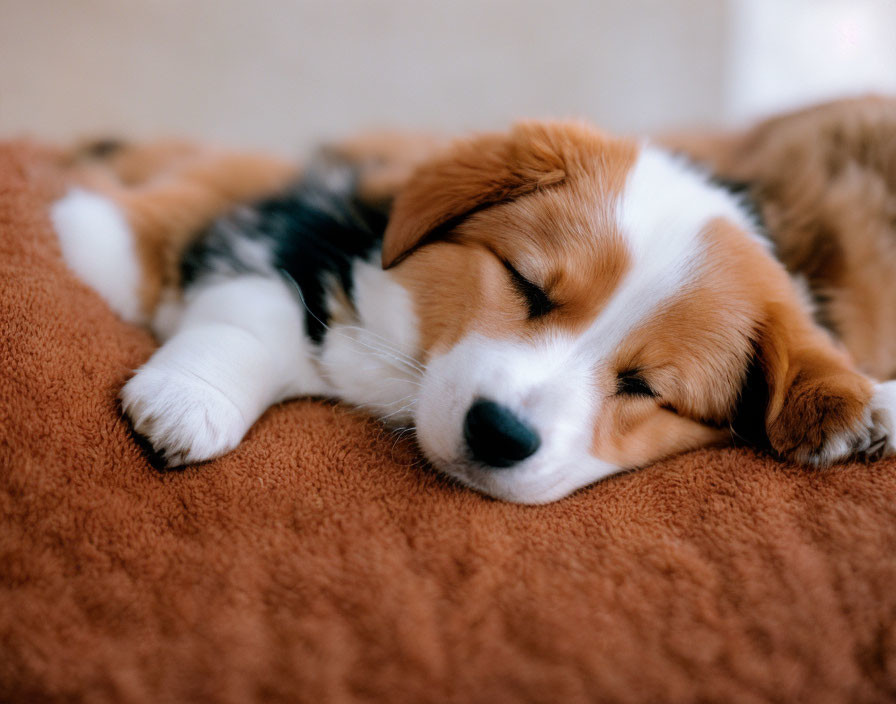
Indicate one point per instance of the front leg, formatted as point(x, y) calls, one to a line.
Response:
point(239, 347)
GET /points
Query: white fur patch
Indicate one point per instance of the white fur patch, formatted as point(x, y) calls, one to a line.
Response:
point(548, 385)
point(661, 214)
point(234, 346)
point(373, 364)
point(181, 406)
point(98, 245)
point(667, 202)
point(238, 347)
point(549, 382)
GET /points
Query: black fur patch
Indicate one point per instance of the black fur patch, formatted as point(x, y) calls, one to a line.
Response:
point(314, 232)
point(102, 148)
point(748, 423)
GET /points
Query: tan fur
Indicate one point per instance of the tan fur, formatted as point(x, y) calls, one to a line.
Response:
point(638, 431)
point(696, 350)
point(825, 182)
point(698, 344)
point(170, 190)
point(386, 159)
point(557, 231)
point(532, 223)
point(534, 197)
point(477, 173)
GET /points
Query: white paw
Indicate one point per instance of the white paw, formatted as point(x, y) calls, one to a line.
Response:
point(874, 437)
point(882, 417)
point(184, 418)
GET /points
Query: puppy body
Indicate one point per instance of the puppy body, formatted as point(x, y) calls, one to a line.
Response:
point(554, 305)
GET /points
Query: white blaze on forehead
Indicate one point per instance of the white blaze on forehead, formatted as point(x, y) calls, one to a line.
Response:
point(662, 214)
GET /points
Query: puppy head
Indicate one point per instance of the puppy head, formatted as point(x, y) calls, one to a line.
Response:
point(588, 305)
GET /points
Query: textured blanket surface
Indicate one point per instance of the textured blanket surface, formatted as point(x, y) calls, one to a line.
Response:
point(322, 561)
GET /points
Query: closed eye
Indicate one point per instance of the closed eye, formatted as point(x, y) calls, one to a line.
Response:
point(631, 383)
point(537, 301)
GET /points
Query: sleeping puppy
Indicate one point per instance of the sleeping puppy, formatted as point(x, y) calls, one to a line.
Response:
point(546, 306)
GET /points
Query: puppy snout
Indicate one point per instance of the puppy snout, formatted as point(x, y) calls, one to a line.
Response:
point(496, 436)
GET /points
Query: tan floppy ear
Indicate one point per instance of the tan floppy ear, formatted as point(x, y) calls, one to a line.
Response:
point(802, 395)
point(472, 175)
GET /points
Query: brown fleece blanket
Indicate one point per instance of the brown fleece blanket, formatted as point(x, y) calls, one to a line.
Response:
point(322, 561)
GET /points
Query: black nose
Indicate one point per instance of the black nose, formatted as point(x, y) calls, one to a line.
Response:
point(496, 437)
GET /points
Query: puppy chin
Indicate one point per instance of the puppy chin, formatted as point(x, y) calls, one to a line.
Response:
point(521, 487)
point(538, 480)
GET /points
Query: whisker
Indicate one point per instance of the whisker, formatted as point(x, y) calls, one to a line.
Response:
point(383, 355)
point(385, 341)
point(400, 410)
point(402, 433)
point(388, 350)
point(403, 381)
point(411, 396)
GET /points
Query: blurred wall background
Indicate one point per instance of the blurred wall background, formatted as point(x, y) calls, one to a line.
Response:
point(286, 73)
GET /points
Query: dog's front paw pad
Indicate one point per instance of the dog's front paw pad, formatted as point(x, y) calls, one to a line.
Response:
point(184, 418)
